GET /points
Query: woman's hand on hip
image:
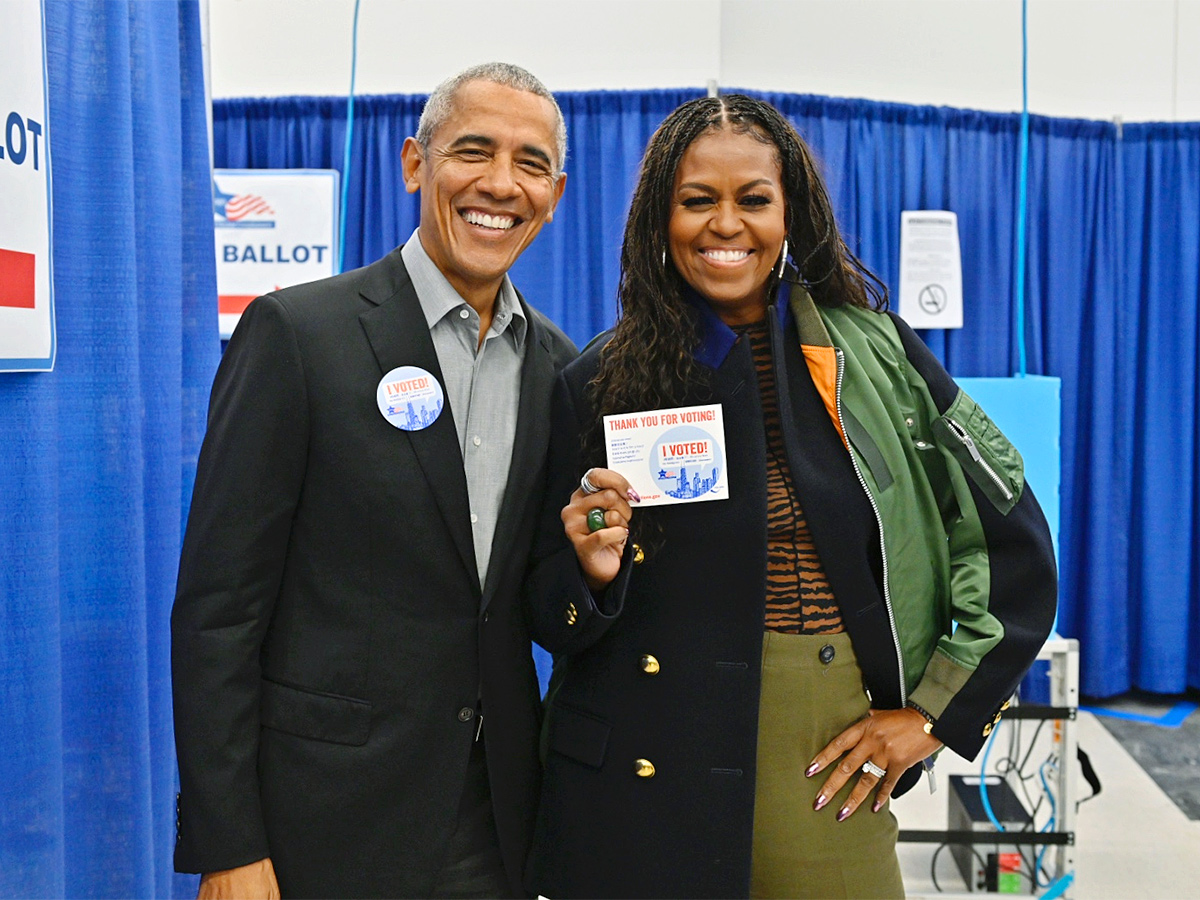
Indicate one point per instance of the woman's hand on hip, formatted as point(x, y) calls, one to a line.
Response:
point(889, 739)
point(599, 545)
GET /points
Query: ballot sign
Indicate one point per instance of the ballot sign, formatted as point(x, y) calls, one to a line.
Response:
point(274, 228)
point(27, 338)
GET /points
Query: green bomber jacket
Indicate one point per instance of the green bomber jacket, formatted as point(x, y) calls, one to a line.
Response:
point(962, 536)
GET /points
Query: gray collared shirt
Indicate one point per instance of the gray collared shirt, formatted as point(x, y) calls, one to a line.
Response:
point(483, 386)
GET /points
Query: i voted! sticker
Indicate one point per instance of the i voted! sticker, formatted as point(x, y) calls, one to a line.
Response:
point(686, 462)
point(410, 398)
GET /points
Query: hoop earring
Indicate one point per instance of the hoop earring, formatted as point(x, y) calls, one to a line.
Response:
point(664, 259)
point(782, 260)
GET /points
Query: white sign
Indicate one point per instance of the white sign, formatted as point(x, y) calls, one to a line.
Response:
point(930, 269)
point(275, 228)
point(27, 339)
point(670, 455)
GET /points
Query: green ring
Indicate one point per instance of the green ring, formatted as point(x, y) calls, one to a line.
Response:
point(595, 519)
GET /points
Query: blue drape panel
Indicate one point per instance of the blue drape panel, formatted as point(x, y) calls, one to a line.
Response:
point(96, 460)
point(1161, 169)
point(1111, 299)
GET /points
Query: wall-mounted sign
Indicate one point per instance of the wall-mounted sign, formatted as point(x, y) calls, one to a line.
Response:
point(274, 228)
point(930, 269)
point(27, 339)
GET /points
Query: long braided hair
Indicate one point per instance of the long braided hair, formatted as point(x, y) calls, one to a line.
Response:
point(648, 363)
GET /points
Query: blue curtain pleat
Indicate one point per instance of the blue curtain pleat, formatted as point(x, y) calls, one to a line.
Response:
point(97, 459)
point(1162, 256)
point(1111, 286)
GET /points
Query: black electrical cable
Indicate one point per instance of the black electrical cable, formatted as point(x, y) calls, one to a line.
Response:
point(933, 866)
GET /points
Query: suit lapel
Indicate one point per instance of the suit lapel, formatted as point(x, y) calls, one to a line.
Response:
point(529, 448)
point(399, 336)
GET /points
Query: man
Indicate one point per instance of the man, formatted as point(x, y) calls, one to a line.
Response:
point(356, 709)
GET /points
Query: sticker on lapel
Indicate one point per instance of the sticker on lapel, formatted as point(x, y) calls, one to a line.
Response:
point(410, 398)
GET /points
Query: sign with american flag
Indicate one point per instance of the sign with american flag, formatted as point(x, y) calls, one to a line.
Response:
point(27, 338)
point(274, 228)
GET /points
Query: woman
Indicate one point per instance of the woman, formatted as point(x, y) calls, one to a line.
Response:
point(735, 680)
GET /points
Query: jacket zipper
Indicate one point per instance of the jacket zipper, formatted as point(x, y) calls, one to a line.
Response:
point(961, 433)
point(887, 595)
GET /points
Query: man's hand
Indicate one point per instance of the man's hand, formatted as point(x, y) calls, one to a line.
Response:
point(253, 882)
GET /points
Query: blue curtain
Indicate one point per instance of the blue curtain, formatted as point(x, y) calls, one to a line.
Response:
point(97, 458)
point(1160, 164)
point(1111, 298)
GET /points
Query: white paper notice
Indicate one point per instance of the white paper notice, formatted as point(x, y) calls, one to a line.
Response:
point(670, 455)
point(930, 269)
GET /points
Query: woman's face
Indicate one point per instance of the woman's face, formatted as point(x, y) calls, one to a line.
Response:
point(727, 222)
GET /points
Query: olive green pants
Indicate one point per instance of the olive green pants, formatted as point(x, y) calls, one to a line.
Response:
point(798, 853)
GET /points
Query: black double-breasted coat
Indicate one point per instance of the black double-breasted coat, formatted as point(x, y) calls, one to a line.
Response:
point(651, 734)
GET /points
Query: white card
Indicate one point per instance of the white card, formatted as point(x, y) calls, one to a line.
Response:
point(670, 455)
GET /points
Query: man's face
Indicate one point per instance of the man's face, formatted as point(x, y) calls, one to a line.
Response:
point(487, 184)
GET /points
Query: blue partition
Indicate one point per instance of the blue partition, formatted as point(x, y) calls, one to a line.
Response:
point(1028, 410)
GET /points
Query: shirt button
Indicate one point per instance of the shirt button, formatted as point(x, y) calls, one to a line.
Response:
point(474, 518)
point(477, 440)
point(463, 314)
point(466, 714)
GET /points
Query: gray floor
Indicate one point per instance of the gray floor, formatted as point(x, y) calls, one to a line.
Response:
point(1169, 754)
point(1132, 841)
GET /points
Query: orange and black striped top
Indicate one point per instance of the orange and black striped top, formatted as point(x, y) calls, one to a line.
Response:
point(799, 597)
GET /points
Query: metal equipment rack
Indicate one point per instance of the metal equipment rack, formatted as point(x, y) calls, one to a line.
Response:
point(1063, 657)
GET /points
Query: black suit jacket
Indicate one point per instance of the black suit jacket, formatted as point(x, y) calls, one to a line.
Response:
point(329, 630)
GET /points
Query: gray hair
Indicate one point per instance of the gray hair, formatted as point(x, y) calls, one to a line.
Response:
point(441, 101)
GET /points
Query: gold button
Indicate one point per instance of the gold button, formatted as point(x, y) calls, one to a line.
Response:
point(987, 729)
point(649, 665)
point(572, 614)
point(644, 768)
point(1006, 704)
point(638, 555)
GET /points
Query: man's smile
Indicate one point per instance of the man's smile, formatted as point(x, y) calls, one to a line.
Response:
point(497, 221)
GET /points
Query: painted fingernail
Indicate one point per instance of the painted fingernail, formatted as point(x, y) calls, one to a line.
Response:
point(811, 771)
point(844, 814)
point(878, 806)
point(634, 496)
point(821, 801)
